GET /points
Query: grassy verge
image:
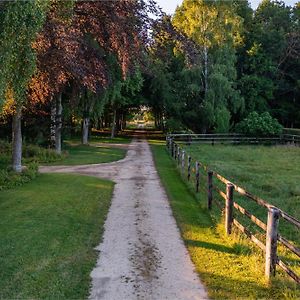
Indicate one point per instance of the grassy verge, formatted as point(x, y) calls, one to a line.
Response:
point(74, 154)
point(100, 138)
point(49, 228)
point(231, 268)
point(88, 154)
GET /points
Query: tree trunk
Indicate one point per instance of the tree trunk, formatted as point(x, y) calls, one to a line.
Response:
point(124, 122)
point(17, 140)
point(113, 126)
point(205, 69)
point(53, 123)
point(85, 130)
point(58, 124)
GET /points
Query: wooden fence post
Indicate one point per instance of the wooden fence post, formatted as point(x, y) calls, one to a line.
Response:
point(229, 208)
point(175, 151)
point(271, 242)
point(178, 155)
point(189, 168)
point(197, 176)
point(182, 161)
point(209, 188)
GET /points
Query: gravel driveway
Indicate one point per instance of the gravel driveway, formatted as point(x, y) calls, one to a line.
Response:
point(142, 255)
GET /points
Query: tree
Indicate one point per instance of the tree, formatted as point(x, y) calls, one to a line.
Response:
point(74, 50)
point(271, 62)
point(20, 23)
point(216, 28)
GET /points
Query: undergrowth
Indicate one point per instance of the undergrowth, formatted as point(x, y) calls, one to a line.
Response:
point(32, 156)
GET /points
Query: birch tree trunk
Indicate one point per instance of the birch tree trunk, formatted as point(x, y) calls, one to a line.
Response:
point(205, 69)
point(53, 123)
point(85, 130)
point(17, 140)
point(58, 123)
point(113, 127)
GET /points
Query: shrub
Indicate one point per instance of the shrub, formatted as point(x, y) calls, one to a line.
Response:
point(32, 155)
point(38, 154)
point(173, 125)
point(5, 147)
point(259, 125)
point(10, 179)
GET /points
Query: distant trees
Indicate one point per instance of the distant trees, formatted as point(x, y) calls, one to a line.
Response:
point(269, 79)
point(244, 61)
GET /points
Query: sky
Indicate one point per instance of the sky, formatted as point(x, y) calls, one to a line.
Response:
point(169, 6)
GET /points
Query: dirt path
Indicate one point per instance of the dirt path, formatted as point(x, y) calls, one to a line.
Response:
point(142, 255)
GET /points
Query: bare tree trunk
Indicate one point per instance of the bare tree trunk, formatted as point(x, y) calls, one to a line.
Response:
point(53, 123)
point(85, 130)
point(17, 140)
point(58, 123)
point(113, 127)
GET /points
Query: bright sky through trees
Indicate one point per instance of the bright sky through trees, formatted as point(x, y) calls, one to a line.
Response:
point(169, 6)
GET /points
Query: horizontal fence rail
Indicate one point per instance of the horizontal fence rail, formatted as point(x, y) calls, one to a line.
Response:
point(234, 138)
point(190, 169)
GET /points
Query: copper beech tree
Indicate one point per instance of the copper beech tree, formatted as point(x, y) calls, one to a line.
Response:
point(72, 52)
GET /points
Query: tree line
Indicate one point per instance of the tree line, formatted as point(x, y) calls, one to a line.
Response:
point(68, 66)
point(244, 61)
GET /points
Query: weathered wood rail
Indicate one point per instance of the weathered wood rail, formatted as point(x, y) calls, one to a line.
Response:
point(230, 207)
point(235, 138)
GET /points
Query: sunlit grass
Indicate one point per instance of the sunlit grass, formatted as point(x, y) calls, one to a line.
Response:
point(231, 268)
point(49, 228)
point(78, 154)
point(102, 139)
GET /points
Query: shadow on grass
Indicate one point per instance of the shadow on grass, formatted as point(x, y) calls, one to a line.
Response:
point(211, 246)
point(225, 286)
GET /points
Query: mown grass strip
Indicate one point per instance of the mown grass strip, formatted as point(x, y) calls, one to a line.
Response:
point(48, 231)
point(231, 268)
point(89, 154)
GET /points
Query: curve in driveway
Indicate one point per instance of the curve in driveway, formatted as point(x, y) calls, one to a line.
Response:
point(142, 255)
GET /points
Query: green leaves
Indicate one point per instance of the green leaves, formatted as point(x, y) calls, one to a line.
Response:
point(20, 23)
point(259, 125)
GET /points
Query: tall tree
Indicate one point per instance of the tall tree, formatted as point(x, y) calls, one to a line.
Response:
point(216, 28)
point(20, 23)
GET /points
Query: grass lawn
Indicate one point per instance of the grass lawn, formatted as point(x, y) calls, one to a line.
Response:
point(271, 173)
point(88, 154)
point(49, 228)
point(231, 268)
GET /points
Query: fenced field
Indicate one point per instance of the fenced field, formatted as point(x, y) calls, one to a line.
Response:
point(256, 189)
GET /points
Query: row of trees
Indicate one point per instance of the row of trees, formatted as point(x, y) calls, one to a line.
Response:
point(88, 63)
point(68, 58)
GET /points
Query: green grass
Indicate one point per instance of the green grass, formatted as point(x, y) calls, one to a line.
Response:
point(231, 268)
point(100, 138)
point(49, 228)
point(88, 154)
point(271, 173)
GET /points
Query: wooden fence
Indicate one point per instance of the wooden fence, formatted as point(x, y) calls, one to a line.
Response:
point(230, 207)
point(235, 138)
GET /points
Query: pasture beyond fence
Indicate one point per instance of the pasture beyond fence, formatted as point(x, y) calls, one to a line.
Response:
point(190, 169)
